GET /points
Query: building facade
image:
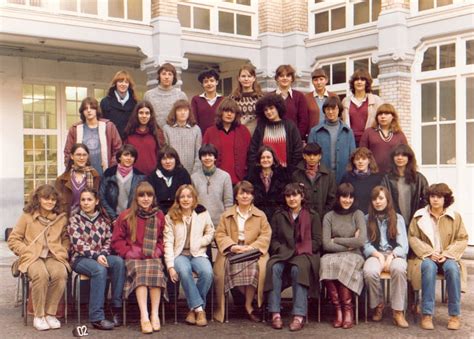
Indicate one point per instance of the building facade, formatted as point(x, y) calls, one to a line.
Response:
point(53, 53)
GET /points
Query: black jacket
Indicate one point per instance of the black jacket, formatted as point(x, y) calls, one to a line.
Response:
point(115, 112)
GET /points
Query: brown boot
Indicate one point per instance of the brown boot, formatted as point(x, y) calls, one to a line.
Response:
point(378, 312)
point(454, 323)
point(201, 319)
point(399, 319)
point(427, 322)
point(191, 318)
point(331, 286)
point(345, 295)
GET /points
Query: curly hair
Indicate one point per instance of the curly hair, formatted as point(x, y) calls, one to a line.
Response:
point(270, 100)
point(44, 191)
point(208, 73)
point(364, 75)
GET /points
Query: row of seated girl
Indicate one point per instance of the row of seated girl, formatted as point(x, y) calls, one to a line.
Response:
point(289, 249)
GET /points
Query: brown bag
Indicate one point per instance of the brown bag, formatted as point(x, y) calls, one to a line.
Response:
point(15, 268)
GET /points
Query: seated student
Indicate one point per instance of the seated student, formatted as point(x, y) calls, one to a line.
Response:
point(242, 228)
point(295, 248)
point(99, 135)
point(188, 233)
point(168, 177)
point(204, 106)
point(213, 185)
point(438, 239)
point(138, 238)
point(119, 182)
point(231, 140)
point(40, 239)
point(317, 179)
point(182, 133)
point(91, 233)
point(386, 250)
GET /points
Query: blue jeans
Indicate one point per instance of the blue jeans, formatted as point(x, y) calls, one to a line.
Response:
point(98, 281)
point(452, 275)
point(195, 292)
point(300, 292)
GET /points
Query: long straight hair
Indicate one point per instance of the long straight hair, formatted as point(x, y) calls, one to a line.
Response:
point(175, 212)
point(373, 229)
point(237, 94)
point(152, 125)
point(143, 188)
point(410, 170)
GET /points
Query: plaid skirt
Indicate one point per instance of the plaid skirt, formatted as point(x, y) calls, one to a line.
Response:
point(147, 272)
point(346, 267)
point(240, 274)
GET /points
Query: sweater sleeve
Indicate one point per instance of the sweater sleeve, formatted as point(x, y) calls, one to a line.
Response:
point(168, 239)
point(364, 139)
point(16, 240)
point(328, 244)
point(331, 196)
point(209, 231)
point(228, 195)
point(197, 146)
point(359, 241)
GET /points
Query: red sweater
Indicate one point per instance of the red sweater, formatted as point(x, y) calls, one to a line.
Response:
point(381, 149)
point(147, 149)
point(297, 111)
point(232, 150)
point(122, 243)
point(358, 116)
point(204, 113)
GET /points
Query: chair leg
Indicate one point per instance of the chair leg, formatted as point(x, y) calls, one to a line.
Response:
point(356, 297)
point(366, 308)
point(443, 291)
point(226, 301)
point(212, 301)
point(176, 303)
point(319, 308)
point(162, 311)
point(78, 292)
point(124, 309)
point(65, 304)
point(24, 306)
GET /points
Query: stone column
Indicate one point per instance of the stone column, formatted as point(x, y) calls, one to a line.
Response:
point(395, 58)
point(166, 40)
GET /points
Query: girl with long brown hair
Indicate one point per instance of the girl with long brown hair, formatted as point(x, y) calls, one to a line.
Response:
point(386, 250)
point(138, 238)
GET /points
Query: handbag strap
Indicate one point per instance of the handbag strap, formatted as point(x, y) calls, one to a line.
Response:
point(249, 262)
point(40, 234)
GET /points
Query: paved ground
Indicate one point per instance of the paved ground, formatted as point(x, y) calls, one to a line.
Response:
point(11, 323)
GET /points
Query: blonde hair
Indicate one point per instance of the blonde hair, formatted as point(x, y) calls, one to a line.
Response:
point(175, 212)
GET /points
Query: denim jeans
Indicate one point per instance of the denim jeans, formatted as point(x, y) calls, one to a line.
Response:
point(195, 292)
point(98, 281)
point(452, 275)
point(300, 292)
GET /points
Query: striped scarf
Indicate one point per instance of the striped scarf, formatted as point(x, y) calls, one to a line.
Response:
point(150, 237)
point(87, 171)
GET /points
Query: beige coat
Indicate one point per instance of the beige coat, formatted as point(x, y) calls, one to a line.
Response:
point(374, 102)
point(257, 234)
point(421, 239)
point(28, 228)
point(202, 234)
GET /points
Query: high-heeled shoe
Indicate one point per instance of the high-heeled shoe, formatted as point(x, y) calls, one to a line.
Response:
point(156, 325)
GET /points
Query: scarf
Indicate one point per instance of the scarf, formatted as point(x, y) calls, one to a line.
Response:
point(384, 137)
point(267, 180)
point(121, 100)
point(209, 172)
point(302, 227)
point(311, 171)
point(87, 170)
point(359, 174)
point(150, 237)
point(124, 171)
point(341, 211)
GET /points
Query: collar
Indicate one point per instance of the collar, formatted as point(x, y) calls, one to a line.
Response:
point(290, 92)
point(239, 213)
point(358, 102)
point(203, 95)
point(325, 95)
point(185, 126)
point(425, 211)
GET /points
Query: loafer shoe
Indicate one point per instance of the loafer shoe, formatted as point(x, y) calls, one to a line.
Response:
point(190, 318)
point(277, 323)
point(296, 325)
point(103, 324)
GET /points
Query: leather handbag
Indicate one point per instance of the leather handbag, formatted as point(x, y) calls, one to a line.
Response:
point(246, 256)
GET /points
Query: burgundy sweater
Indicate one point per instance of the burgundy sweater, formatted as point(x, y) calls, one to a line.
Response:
point(358, 116)
point(297, 111)
point(147, 150)
point(232, 149)
point(204, 113)
point(381, 149)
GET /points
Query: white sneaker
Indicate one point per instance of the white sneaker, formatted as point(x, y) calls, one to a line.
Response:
point(53, 322)
point(40, 324)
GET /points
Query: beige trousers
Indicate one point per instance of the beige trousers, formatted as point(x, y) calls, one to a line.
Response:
point(48, 279)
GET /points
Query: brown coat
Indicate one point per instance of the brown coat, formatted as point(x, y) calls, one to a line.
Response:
point(313, 108)
point(420, 237)
point(28, 228)
point(257, 234)
point(63, 186)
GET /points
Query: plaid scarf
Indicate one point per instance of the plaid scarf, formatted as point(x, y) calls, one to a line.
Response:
point(87, 171)
point(150, 238)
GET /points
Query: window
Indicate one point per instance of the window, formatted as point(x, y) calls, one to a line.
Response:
point(429, 4)
point(74, 97)
point(330, 20)
point(126, 9)
point(364, 64)
point(85, 6)
point(225, 87)
point(336, 73)
point(40, 141)
point(438, 120)
point(438, 57)
point(199, 19)
point(470, 120)
point(240, 2)
point(366, 11)
point(235, 23)
point(469, 52)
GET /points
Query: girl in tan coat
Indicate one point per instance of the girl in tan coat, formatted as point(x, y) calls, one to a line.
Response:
point(242, 228)
point(40, 240)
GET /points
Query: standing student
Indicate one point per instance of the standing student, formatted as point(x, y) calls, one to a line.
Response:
point(204, 106)
point(384, 134)
point(318, 97)
point(335, 138)
point(184, 135)
point(99, 135)
point(165, 94)
point(231, 140)
point(118, 105)
point(145, 135)
point(138, 238)
point(360, 107)
point(295, 101)
point(91, 233)
point(78, 175)
point(246, 95)
point(40, 239)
